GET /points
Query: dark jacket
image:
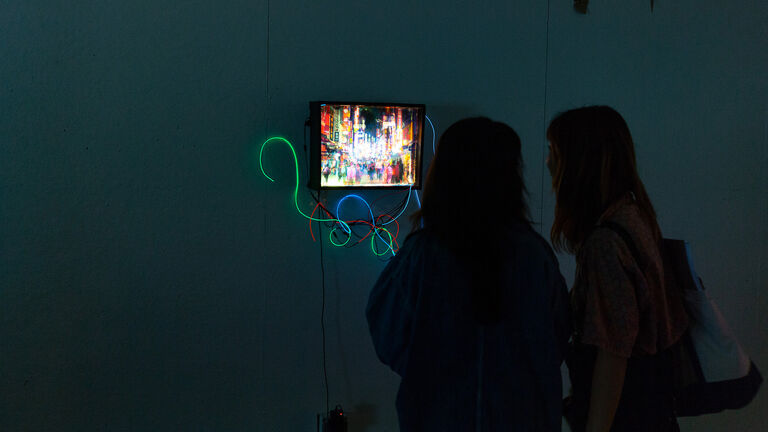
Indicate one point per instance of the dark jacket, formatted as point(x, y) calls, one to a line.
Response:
point(458, 375)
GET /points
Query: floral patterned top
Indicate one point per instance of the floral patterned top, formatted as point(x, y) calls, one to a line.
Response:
point(618, 304)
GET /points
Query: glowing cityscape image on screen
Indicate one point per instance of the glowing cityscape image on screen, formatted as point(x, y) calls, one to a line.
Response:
point(367, 145)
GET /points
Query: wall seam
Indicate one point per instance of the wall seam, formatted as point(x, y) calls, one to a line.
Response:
point(544, 124)
point(263, 257)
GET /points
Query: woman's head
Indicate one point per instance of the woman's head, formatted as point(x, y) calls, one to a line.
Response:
point(592, 162)
point(475, 184)
point(476, 175)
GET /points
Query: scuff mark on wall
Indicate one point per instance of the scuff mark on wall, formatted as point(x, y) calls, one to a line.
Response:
point(580, 6)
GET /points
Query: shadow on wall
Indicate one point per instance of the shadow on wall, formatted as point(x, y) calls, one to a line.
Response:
point(361, 417)
point(447, 115)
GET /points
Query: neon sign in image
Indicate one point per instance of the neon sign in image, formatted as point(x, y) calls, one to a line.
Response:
point(369, 145)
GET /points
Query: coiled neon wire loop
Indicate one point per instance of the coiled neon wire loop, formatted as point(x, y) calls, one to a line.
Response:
point(339, 223)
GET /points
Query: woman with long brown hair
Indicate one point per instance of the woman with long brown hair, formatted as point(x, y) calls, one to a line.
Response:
point(472, 312)
point(624, 318)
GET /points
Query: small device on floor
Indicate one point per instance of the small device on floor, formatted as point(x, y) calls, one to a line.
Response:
point(336, 421)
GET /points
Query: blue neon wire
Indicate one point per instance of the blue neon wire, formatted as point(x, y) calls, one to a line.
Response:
point(338, 208)
point(405, 207)
point(370, 211)
point(433, 133)
point(344, 226)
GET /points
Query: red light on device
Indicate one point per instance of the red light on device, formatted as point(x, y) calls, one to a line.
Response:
point(336, 421)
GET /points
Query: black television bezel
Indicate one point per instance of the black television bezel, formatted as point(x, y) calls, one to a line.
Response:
point(314, 140)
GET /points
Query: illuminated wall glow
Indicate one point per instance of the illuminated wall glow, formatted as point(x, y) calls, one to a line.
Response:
point(375, 226)
point(296, 164)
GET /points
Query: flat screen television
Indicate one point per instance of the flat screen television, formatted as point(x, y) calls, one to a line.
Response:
point(363, 145)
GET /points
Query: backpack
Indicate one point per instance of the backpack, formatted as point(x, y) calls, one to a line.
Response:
point(712, 371)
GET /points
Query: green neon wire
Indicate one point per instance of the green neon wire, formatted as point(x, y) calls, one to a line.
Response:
point(296, 164)
point(341, 223)
point(330, 236)
point(390, 247)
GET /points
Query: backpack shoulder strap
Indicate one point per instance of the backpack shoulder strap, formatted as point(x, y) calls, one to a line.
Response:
point(618, 229)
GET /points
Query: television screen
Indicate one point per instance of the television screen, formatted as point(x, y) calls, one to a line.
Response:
point(366, 145)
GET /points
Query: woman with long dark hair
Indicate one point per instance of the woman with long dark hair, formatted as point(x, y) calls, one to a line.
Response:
point(472, 312)
point(624, 318)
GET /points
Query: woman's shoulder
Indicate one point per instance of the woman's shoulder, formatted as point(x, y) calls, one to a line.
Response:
point(627, 214)
point(420, 244)
point(601, 243)
point(417, 237)
point(622, 236)
point(629, 217)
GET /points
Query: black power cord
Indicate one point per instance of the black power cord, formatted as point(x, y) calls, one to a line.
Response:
point(329, 224)
point(322, 316)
